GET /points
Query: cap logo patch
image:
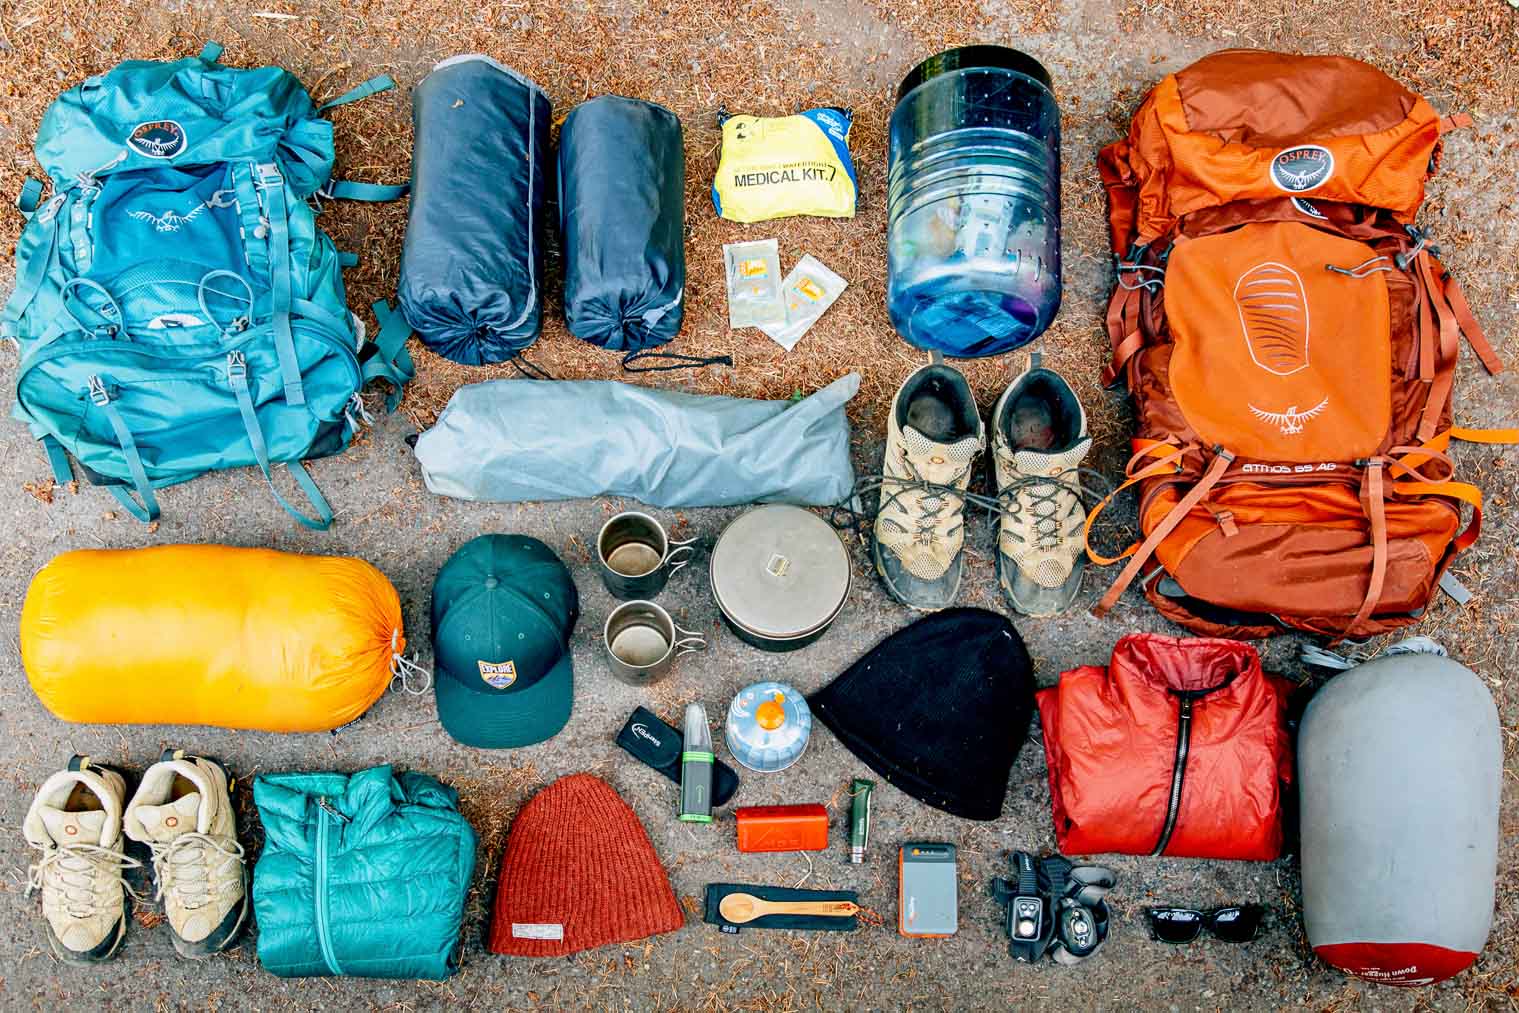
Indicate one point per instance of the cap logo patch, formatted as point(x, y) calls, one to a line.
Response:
point(157, 139)
point(71, 830)
point(498, 675)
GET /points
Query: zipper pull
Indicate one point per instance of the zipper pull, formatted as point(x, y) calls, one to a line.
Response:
point(331, 810)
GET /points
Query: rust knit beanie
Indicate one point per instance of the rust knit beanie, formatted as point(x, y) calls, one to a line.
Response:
point(579, 872)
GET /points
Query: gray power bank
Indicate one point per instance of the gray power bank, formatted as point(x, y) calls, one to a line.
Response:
point(928, 898)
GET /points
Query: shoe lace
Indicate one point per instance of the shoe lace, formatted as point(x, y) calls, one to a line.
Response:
point(185, 866)
point(72, 869)
point(849, 513)
point(1052, 499)
point(927, 508)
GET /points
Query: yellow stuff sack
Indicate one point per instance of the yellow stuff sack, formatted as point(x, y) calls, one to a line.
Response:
point(777, 167)
point(209, 635)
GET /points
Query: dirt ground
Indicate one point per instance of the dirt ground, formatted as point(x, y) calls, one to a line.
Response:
point(769, 58)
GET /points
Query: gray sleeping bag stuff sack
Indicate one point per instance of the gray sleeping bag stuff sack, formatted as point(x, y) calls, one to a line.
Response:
point(472, 260)
point(522, 440)
point(1400, 768)
point(622, 218)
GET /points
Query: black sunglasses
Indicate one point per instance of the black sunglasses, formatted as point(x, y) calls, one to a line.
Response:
point(1236, 924)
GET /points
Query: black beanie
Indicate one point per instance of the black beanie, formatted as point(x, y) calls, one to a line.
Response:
point(939, 709)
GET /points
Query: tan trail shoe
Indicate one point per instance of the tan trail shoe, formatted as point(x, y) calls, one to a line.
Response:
point(934, 435)
point(75, 821)
point(1039, 439)
point(183, 812)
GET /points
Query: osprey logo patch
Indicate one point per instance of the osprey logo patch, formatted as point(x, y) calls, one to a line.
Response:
point(169, 221)
point(1290, 420)
point(499, 675)
point(1303, 168)
point(157, 139)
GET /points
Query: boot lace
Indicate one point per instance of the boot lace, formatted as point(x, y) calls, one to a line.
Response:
point(849, 514)
point(185, 866)
point(1052, 499)
point(929, 502)
point(71, 869)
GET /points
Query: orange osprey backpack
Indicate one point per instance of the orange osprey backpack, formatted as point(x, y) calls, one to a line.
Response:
point(1290, 341)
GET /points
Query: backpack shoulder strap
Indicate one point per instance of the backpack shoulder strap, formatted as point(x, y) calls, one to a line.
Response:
point(386, 358)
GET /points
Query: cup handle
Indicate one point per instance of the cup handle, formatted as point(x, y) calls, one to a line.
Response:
point(689, 641)
point(680, 554)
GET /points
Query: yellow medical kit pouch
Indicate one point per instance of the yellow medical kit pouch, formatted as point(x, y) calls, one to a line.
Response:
point(210, 635)
point(777, 167)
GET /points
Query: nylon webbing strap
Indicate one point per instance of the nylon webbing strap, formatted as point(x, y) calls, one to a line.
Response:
point(374, 193)
point(147, 510)
point(388, 359)
point(272, 183)
point(30, 197)
point(375, 85)
point(237, 376)
point(58, 460)
point(29, 274)
point(1221, 461)
point(1374, 503)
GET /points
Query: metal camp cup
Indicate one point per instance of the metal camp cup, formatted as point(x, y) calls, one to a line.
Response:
point(637, 557)
point(643, 642)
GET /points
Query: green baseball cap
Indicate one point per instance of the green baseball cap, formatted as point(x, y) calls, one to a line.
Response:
point(503, 609)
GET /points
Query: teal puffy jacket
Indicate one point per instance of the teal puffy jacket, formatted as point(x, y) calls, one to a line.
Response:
point(362, 874)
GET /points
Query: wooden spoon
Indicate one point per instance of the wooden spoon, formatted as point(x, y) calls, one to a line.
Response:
point(739, 908)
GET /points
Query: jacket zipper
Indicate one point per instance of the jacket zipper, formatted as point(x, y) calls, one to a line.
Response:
point(1178, 773)
point(324, 814)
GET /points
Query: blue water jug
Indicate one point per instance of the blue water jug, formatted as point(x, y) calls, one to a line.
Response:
point(973, 203)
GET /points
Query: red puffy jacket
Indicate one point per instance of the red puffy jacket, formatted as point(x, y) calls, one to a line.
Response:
point(1178, 747)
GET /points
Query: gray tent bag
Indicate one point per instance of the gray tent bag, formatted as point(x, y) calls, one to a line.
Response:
point(512, 441)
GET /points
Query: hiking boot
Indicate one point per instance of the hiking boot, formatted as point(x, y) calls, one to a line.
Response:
point(183, 812)
point(1039, 439)
point(933, 437)
point(75, 821)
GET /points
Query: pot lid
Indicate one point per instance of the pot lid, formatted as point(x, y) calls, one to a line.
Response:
point(768, 726)
point(780, 572)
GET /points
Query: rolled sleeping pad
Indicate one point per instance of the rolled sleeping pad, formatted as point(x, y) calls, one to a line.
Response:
point(472, 260)
point(209, 635)
point(1399, 766)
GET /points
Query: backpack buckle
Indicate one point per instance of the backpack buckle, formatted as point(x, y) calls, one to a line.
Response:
point(98, 394)
point(237, 367)
point(267, 175)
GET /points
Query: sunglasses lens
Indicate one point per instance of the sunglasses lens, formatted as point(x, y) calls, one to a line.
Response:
point(1174, 924)
point(1236, 924)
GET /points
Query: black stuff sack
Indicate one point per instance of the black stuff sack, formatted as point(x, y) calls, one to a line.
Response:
point(622, 186)
point(472, 261)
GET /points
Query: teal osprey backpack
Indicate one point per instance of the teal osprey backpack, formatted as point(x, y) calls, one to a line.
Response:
point(177, 308)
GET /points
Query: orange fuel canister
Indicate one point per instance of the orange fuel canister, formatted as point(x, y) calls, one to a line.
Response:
point(782, 828)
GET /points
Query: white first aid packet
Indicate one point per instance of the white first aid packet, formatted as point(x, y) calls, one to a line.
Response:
point(808, 291)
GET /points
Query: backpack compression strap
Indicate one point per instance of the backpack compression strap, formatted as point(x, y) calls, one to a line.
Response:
point(237, 377)
point(345, 189)
point(1220, 464)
